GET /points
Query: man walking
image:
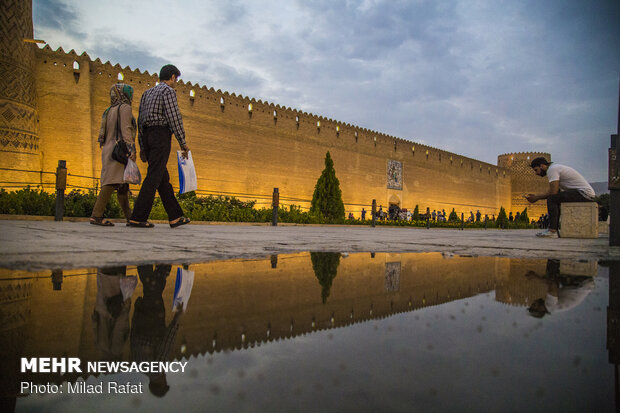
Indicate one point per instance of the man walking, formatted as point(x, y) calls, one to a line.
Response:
point(565, 185)
point(158, 119)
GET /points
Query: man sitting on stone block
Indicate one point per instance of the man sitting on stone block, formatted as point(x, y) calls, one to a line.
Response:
point(565, 185)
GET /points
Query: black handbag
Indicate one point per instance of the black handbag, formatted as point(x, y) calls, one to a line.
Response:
point(120, 153)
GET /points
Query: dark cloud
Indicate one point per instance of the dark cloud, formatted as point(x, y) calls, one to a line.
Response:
point(54, 14)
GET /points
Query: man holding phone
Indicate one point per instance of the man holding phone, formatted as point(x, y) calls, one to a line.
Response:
point(565, 185)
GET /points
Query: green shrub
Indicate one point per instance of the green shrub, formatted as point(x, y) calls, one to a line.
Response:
point(27, 202)
point(502, 218)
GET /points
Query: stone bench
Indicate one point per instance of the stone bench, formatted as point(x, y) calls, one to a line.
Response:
point(579, 220)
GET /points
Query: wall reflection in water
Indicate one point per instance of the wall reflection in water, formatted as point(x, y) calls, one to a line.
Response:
point(141, 313)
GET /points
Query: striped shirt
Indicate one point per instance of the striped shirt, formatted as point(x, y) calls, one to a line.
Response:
point(159, 107)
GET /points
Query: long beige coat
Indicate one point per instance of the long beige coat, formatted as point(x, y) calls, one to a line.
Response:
point(111, 170)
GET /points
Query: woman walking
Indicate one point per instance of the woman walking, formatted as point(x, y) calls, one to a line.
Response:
point(117, 120)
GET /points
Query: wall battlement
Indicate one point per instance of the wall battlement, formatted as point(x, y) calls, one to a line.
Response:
point(262, 111)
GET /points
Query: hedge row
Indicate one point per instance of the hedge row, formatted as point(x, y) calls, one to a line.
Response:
point(210, 208)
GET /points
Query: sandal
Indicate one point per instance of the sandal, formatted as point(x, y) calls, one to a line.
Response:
point(101, 222)
point(181, 221)
point(140, 224)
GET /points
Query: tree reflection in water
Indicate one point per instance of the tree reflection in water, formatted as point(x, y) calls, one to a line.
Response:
point(325, 266)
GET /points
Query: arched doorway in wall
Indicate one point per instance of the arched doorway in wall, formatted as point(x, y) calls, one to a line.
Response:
point(394, 200)
point(393, 207)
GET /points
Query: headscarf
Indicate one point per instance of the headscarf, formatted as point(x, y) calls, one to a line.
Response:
point(119, 93)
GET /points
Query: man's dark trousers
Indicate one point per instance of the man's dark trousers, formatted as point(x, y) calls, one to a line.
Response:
point(157, 145)
point(554, 201)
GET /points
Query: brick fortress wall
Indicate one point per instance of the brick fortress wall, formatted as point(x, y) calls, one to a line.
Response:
point(248, 155)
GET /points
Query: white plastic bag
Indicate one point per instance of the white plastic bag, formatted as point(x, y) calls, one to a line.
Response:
point(187, 173)
point(182, 289)
point(132, 173)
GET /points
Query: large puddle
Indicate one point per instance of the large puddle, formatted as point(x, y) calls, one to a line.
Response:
point(314, 332)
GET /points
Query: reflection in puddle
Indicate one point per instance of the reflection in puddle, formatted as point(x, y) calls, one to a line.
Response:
point(423, 331)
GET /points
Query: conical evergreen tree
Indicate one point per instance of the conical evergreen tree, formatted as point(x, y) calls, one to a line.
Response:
point(327, 198)
point(502, 219)
point(524, 217)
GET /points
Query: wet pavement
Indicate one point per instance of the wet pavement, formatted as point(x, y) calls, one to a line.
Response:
point(319, 332)
point(45, 244)
point(373, 319)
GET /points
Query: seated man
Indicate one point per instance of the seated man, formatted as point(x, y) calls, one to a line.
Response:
point(565, 185)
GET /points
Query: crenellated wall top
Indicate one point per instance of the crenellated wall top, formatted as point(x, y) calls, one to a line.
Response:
point(80, 62)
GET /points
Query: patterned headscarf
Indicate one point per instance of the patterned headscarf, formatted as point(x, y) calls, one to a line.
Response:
point(119, 93)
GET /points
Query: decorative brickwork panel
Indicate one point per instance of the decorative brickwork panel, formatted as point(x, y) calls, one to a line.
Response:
point(17, 84)
point(18, 116)
point(392, 276)
point(395, 175)
point(15, 26)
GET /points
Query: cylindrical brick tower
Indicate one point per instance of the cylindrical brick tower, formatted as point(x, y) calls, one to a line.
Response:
point(524, 181)
point(19, 139)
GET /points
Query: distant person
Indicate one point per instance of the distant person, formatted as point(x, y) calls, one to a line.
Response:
point(565, 185)
point(478, 215)
point(363, 214)
point(510, 217)
point(517, 216)
point(434, 215)
point(117, 120)
point(158, 119)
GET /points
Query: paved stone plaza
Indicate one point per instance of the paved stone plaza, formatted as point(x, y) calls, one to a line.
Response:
point(29, 244)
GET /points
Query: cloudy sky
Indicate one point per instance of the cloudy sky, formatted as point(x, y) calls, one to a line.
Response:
point(478, 78)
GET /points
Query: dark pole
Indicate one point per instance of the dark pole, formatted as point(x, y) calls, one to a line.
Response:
point(613, 325)
point(428, 218)
point(374, 212)
point(57, 279)
point(61, 185)
point(614, 186)
point(462, 221)
point(276, 205)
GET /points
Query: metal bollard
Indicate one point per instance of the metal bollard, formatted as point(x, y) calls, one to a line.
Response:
point(61, 185)
point(462, 221)
point(57, 277)
point(276, 205)
point(428, 218)
point(374, 212)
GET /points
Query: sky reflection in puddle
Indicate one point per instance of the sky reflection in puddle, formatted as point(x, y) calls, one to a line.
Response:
point(320, 332)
